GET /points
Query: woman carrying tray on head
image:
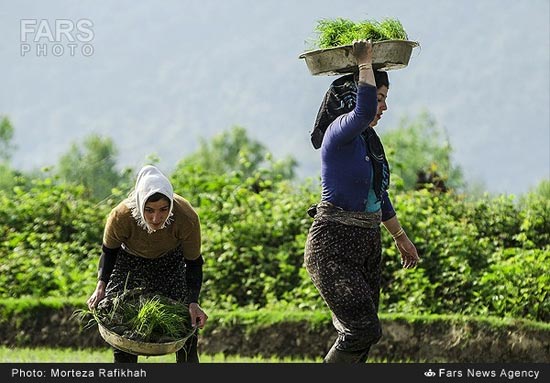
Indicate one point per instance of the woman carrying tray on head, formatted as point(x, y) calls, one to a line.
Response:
point(152, 240)
point(343, 248)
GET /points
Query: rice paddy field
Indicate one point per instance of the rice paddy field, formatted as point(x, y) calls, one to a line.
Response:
point(56, 355)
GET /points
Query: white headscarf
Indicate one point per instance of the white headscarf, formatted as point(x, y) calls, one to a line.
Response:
point(150, 180)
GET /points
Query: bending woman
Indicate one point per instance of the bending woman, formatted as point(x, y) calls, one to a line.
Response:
point(152, 240)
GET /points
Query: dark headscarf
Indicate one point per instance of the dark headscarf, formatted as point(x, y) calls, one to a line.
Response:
point(339, 99)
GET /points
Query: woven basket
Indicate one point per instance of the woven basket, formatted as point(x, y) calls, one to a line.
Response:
point(141, 348)
point(133, 346)
point(386, 55)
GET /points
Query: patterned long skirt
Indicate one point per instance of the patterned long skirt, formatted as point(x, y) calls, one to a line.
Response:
point(164, 276)
point(344, 263)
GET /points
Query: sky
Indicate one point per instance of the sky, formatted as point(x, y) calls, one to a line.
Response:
point(157, 77)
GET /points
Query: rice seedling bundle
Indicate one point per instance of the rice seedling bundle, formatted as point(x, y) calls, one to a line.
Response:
point(339, 31)
point(331, 52)
point(142, 317)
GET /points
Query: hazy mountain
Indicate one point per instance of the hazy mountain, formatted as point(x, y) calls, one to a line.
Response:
point(163, 74)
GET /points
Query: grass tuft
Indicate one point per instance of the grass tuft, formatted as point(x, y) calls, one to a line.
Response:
point(339, 31)
point(140, 316)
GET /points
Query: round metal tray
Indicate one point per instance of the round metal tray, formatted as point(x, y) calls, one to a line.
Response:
point(141, 348)
point(386, 55)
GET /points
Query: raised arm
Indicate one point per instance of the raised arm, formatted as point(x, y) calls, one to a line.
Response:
point(350, 125)
point(362, 50)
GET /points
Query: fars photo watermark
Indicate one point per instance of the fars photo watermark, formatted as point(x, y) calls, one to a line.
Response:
point(57, 38)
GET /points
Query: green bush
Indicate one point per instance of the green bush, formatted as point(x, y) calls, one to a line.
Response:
point(254, 232)
point(478, 257)
point(48, 235)
point(516, 285)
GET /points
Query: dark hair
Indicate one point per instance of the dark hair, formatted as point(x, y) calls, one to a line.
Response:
point(381, 78)
point(340, 99)
point(158, 196)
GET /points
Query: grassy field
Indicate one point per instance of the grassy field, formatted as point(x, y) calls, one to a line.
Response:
point(49, 355)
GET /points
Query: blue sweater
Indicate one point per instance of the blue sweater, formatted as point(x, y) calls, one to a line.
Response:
point(346, 169)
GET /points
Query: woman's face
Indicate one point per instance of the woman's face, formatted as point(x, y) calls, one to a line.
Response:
point(382, 94)
point(156, 213)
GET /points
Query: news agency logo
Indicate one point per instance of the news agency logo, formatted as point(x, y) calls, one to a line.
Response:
point(60, 37)
point(429, 373)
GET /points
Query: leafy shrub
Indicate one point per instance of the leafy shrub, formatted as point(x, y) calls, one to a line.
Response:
point(47, 236)
point(254, 229)
point(516, 285)
point(484, 256)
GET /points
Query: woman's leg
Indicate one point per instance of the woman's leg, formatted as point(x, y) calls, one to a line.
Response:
point(124, 357)
point(344, 265)
point(339, 356)
point(188, 353)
